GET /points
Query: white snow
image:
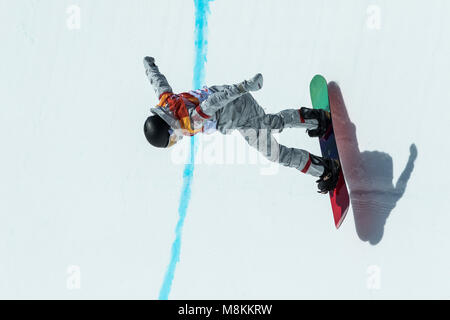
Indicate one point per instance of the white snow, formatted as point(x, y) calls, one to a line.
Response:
point(81, 187)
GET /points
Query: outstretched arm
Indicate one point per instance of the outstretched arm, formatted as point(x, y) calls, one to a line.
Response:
point(400, 186)
point(157, 79)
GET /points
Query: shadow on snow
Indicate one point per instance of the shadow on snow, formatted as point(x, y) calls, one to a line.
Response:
point(369, 174)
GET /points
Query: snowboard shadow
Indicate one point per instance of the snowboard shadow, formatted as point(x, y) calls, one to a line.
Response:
point(369, 174)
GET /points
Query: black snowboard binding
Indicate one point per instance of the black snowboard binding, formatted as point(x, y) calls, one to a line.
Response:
point(328, 180)
point(323, 118)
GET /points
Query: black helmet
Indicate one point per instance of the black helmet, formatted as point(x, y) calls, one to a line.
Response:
point(157, 131)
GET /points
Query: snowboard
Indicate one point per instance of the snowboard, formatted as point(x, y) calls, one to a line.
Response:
point(339, 197)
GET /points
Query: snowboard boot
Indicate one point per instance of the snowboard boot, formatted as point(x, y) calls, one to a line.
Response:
point(328, 180)
point(253, 84)
point(323, 118)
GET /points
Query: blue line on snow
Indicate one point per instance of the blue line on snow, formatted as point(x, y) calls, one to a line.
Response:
point(201, 43)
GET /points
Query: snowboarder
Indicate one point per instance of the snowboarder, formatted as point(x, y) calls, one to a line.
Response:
point(232, 107)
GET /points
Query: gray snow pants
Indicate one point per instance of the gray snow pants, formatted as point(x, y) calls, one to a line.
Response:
point(237, 110)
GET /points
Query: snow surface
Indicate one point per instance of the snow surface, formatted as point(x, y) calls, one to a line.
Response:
point(81, 187)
